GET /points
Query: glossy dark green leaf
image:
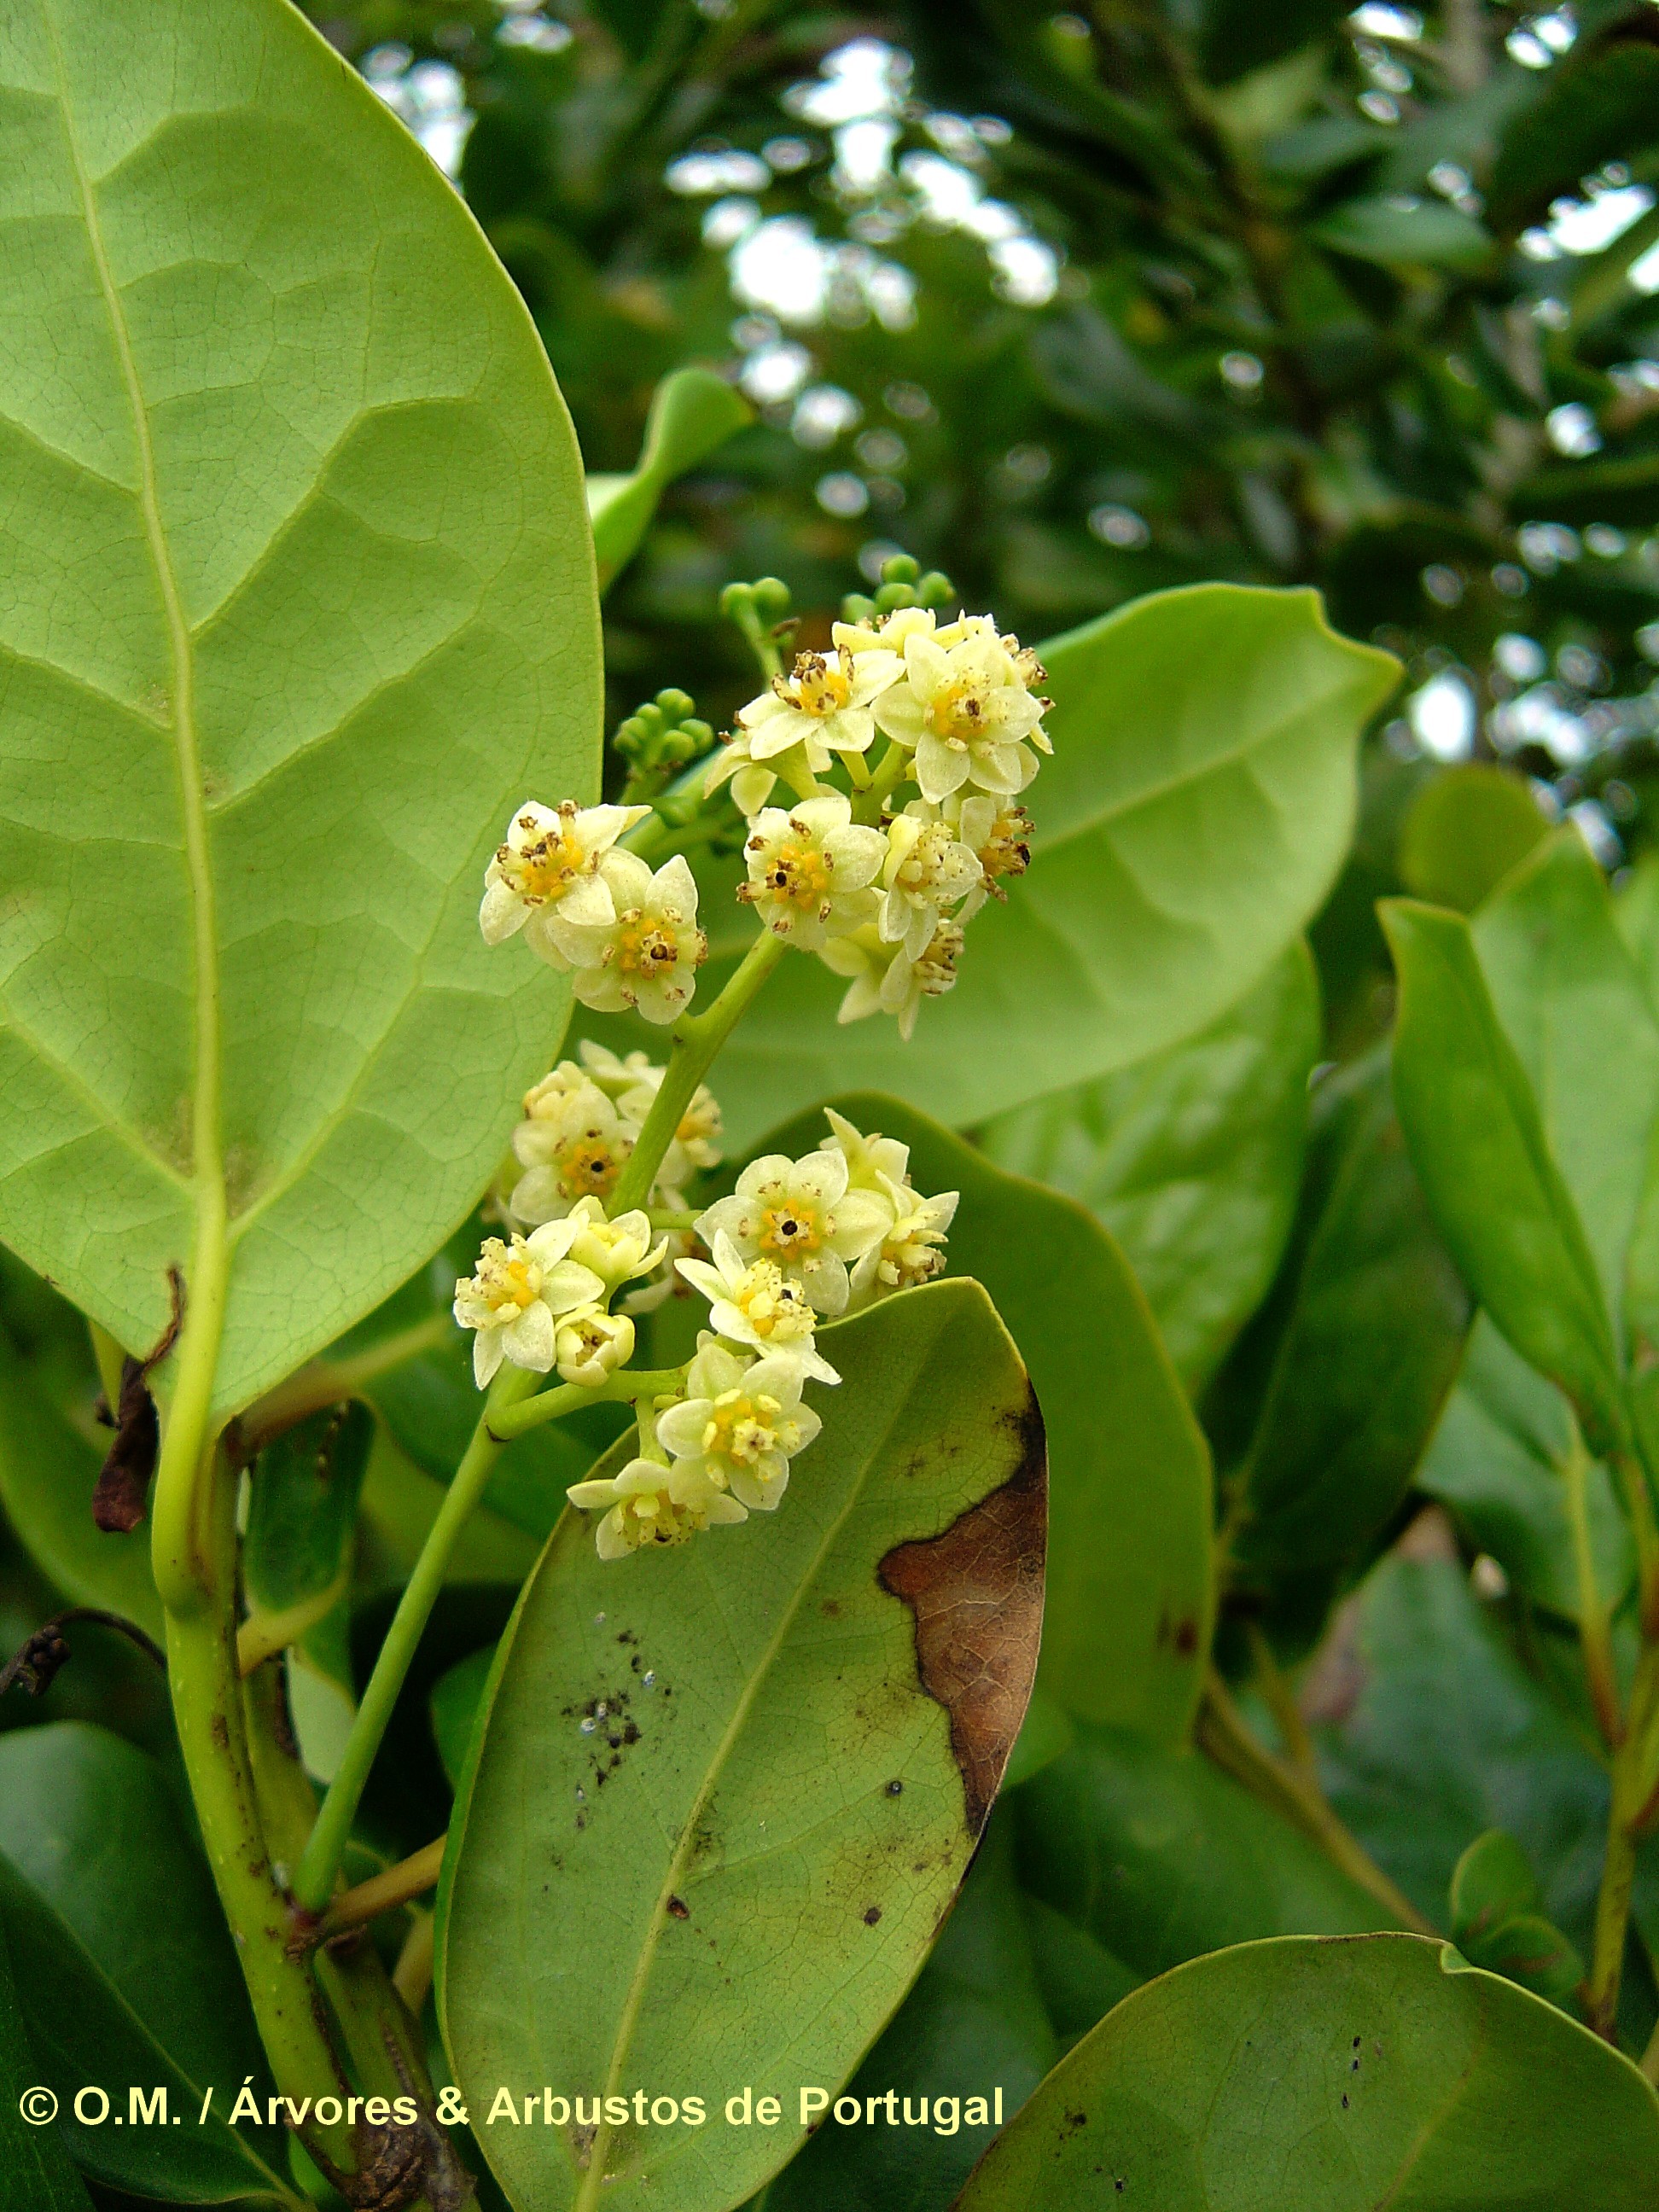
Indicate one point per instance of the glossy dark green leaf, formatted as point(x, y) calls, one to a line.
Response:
point(1426, 233)
point(974, 2024)
point(112, 2027)
point(1596, 107)
point(456, 1696)
point(1464, 832)
point(1158, 1855)
point(1478, 1144)
point(1191, 1159)
point(1496, 1922)
point(31, 2156)
point(1573, 1004)
point(1442, 1735)
point(1504, 1459)
point(1079, 1979)
point(303, 1509)
point(1127, 1621)
point(1345, 2077)
point(692, 412)
point(1367, 1333)
point(1046, 1732)
point(732, 1768)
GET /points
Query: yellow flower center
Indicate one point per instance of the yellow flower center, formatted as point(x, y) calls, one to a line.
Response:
point(771, 1304)
point(819, 686)
point(925, 864)
point(742, 1428)
point(644, 948)
point(653, 1517)
point(589, 1167)
point(546, 867)
point(798, 874)
point(509, 1280)
point(1007, 850)
point(956, 713)
point(789, 1230)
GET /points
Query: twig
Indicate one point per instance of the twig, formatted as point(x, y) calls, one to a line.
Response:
point(36, 1666)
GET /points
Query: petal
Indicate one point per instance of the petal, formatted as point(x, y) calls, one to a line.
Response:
point(550, 1241)
point(674, 888)
point(858, 853)
point(825, 1283)
point(997, 768)
point(873, 671)
point(569, 1285)
point(628, 876)
point(723, 1511)
point(608, 1540)
point(919, 935)
point(751, 787)
point(486, 1356)
point(770, 739)
point(680, 1429)
point(927, 665)
point(777, 1377)
point(529, 1340)
point(701, 1277)
point(940, 768)
point(897, 715)
point(851, 730)
point(589, 903)
point(862, 1000)
point(501, 914)
point(588, 1495)
point(862, 1219)
point(763, 1179)
point(820, 1176)
point(828, 810)
point(537, 1196)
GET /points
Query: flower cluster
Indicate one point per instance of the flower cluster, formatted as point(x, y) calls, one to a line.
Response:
point(542, 1301)
point(797, 1241)
point(626, 935)
point(885, 907)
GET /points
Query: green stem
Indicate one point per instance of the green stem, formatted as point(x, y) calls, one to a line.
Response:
point(184, 1472)
point(208, 1708)
point(313, 1881)
point(891, 771)
point(1595, 1638)
point(697, 1038)
point(1638, 1501)
point(1632, 1785)
point(629, 1382)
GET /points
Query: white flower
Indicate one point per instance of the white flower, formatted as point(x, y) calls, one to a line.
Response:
point(514, 1299)
point(886, 981)
point(650, 1504)
point(616, 1250)
point(869, 1160)
point(590, 1344)
point(633, 1083)
point(966, 710)
point(811, 870)
point(800, 1215)
point(740, 1425)
point(911, 1251)
point(997, 832)
point(573, 1141)
point(927, 870)
point(823, 703)
point(755, 1303)
point(888, 634)
point(647, 955)
point(547, 863)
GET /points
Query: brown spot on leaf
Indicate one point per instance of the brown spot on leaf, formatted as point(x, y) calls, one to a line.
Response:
point(679, 1908)
point(871, 1915)
point(1186, 1638)
point(976, 1593)
point(123, 1488)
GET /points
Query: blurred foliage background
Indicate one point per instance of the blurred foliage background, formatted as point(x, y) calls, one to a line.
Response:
point(1078, 305)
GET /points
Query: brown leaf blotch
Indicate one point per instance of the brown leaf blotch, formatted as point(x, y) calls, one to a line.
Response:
point(976, 1593)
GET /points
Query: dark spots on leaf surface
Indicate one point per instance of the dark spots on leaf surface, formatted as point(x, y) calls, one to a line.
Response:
point(626, 1636)
point(830, 1608)
point(220, 1731)
point(895, 1788)
point(871, 1915)
point(581, 2145)
point(977, 1594)
point(679, 1908)
point(1186, 1637)
point(1075, 2120)
point(1345, 2100)
point(631, 1733)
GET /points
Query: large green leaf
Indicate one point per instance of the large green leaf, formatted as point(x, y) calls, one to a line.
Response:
point(1502, 1459)
point(1565, 984)
point(973, 2025)
point(1402, 231)
point(31, 2155)
point(1478, 1142)
point(1127, 1625)
point(1464, 831)
point(1366, 1333)
point(1198, 803)
point(1159, 1855)
point(1191, 1159)
point(299, 605)
point(730, 1875)
point(1336, 2077)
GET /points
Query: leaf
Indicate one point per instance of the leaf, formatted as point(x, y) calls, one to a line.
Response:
point(1047, 1731)
point(1446, 1735)
point(1563, 983)
point(48, 1471)
point(1501, 1460)
point(1598, 107)
point(1495, 1922)
point(1197, 805)
point(294, 533)
point(1080, 1980)
point(1478, 1146)
point(1365, 1332)
point(1159, 1855)
point(1191, 1159)
point(34, 2156)
point(1621, 490)
point(456, 1698)
point(303, 1509)
point(1235, 38)
point(1466, 829)
point(124, 1966)
point(1403, 231)
point(1126, 1620)
point(91, 1823)
point(973, 2025)
point(1334, 2076)
point(753, 1892)
point(692, 412)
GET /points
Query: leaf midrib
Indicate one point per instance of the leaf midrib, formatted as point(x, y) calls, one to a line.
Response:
point(593, 2178)
point(206, 1145)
